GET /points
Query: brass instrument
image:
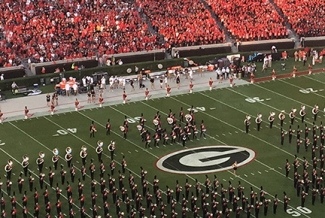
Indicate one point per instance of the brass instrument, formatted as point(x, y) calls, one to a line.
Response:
point(25, 162)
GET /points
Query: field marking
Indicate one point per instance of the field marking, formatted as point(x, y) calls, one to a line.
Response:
point(245, 175)
point(38, 177)
point(252, 174)
point(252, 116)
point(225, 143)
point(269, 90)
point(259, 172)
point(302, 88)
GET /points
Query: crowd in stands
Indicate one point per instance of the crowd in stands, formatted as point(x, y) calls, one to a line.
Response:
point(54, 30)
point(42, 30)
point(182, 22)
point(306, 17)
point(250, 19)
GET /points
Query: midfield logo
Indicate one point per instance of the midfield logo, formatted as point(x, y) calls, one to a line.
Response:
point(208, 159)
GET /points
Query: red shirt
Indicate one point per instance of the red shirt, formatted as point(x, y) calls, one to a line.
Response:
point(124, 96)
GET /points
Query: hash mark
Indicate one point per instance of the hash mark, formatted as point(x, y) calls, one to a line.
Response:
point(280, 168)
point(266, 171)
point(259, 172)
point(217, 135)
point(136, 151)
point(231, 178)
point(236, 132)
point(230, 133)
point(129, 152)
point(224, 180)
point(252, 174)
point(223, 134)
point(245, 175)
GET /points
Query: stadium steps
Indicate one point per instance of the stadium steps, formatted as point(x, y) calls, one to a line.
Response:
point(292, 33)
point(28, 72)
point(218, 21)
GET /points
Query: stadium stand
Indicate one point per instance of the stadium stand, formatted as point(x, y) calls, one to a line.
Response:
point(306, 17)
point(56, 30)
point(183, 22)
point(250, 19)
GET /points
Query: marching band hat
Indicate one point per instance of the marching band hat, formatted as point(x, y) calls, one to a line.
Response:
point(108, 120)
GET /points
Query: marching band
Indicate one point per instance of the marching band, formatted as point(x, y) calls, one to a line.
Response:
point(83, 154)
point(55, 158)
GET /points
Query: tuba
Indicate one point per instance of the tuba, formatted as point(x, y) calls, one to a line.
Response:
point(315, 110)
point(25, 162)
point(40, 159)
point(99, 148)
point(139, 127)
point(247, 120)
point(188, 117)
point(258, 119)
point(68, 155)
point(170, 120)
point(111, 146)
point(8, 166)
point(155, 122)
point(292, 113)
point(83, 152)
point(302, 112)
point(122, 128)
point(55, 157)
point(271, 117)
point(282, 116)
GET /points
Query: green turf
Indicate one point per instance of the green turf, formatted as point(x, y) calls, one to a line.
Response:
point(224, 112)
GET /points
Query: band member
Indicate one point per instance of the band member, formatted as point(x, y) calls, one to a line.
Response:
point(40, 161)
point(147, 140)
point(302, 113)
point(123, 164)
point(287, 167)
point(83, 172)
point(247, 123)
point(191, 87)
point(292, 115)
point(76, 105)
point(52, 108)
point(8, 168)
point(62, 173)
point(68, 156)
point(281, 118)
point(108, 127)
point(72, 172)
point(55, 158)
point(92, 129)
point(146, 93)
point(282, 136)
point(25, 164)
point(83, 154)
point(111, 147)
point(99, 150)
point(124, 96)
point(51, 176)
point(271, 119)
point(203, 129)
point(315, 111)
point(291, 131)
point(258, 121)
point(210, 83)
point(273, 74)
point(100, 100)
point(168, 91)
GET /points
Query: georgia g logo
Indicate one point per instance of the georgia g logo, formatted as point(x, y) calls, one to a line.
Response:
point(207, 159)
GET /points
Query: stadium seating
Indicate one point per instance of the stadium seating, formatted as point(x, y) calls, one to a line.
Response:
point(306, 17)
point(250, 19)
point(183, 22)
point(54, 30)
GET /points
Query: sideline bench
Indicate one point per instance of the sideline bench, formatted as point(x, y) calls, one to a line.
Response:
point(21, 90)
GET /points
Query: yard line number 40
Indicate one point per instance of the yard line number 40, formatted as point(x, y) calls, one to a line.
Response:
point(66, 132)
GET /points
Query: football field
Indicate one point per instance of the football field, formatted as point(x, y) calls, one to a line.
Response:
point(261, 157)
